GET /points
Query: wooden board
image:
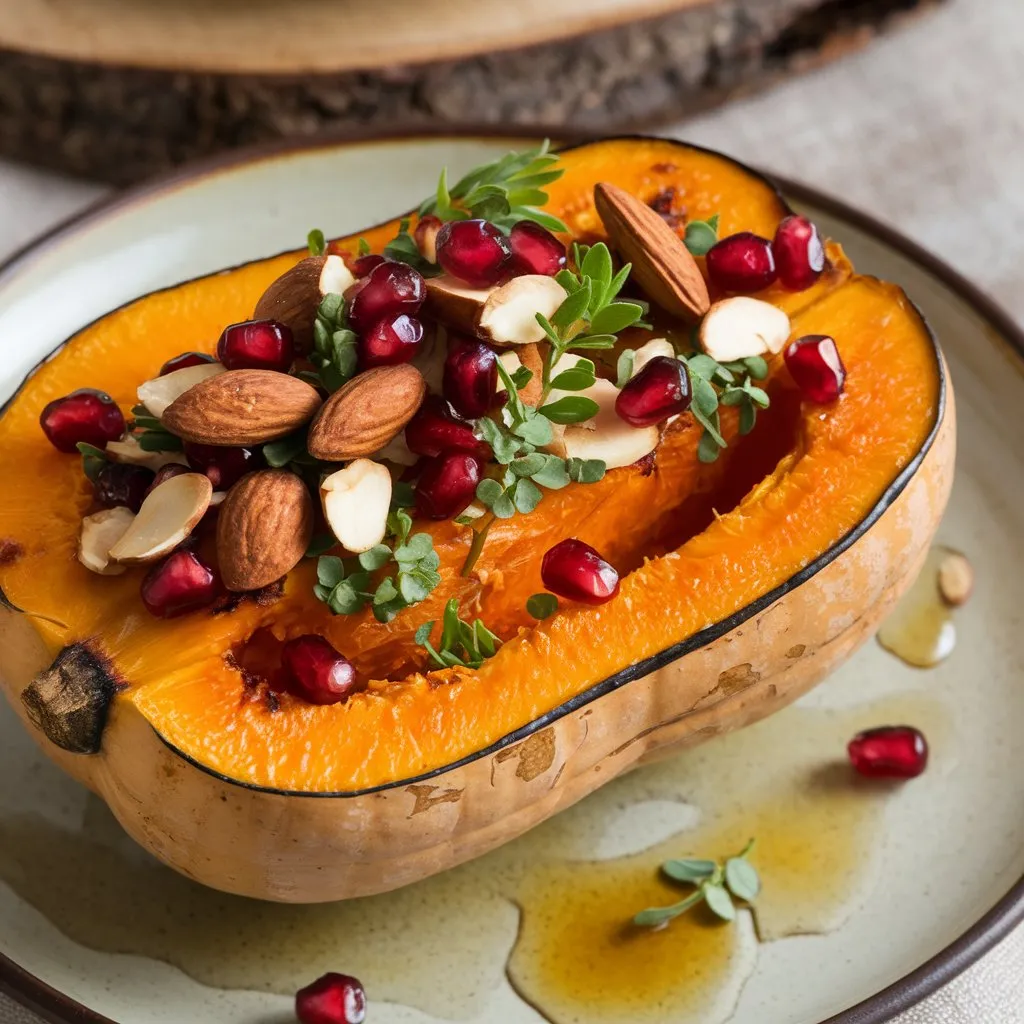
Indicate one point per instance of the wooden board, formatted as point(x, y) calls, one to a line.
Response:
point(120, 89)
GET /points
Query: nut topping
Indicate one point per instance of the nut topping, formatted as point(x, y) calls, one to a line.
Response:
point(356, 500)
point(741, 327)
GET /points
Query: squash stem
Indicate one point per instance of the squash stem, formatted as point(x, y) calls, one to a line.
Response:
point(479, 539)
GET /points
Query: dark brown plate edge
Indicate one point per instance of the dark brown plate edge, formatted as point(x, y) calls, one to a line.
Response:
point(883, 1006)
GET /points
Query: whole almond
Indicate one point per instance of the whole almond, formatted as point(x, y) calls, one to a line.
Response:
point(264, 528)
point(664, 267)
point(242, 407)
point(366, 413)
point(294, 297)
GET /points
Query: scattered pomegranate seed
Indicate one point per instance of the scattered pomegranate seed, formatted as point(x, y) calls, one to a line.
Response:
point(535, 250)
point(470, 376)
point(435, 428)
point(362, 265)
point(166, 472)
point(661, 389)
point(799, 253)
point(474, 251)
point(390, 289)
point(332, 999)
point(180, 583)
point(395, 339)
point(742, 263)
point(576, 571)
point(185, 360)
point(223, 465)
point(817, 368)
point(257, 345)
point(317, 672)
point(120, 484)
point(889, 752)
point(447, 485)
point(85, 416)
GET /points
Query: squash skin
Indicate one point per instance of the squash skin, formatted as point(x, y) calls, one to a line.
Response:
point(322, 846)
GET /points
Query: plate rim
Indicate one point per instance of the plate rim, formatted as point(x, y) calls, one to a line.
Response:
point(902, 994)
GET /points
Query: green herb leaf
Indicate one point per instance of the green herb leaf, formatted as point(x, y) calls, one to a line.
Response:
point(719, 902)
point(461, 643)
point(376, 558)
point(571, 409)
point(330, 571)
point(280, 453)
point(742, 879)
point(757, 367)
point(159, 441)
point(624, 367)
point(691, 870)
point(542, 606)
point(576, 378)
point(616, 317)
point(701, 235)
point(316, 242)
point(552, 474)
point(526, 495)
point(573, 307)
point(93, 459)
point(586, 471)
point(488, 491)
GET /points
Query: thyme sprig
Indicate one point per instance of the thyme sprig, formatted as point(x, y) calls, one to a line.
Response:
point(334, 345)
point(461, 643)
point(716, 885)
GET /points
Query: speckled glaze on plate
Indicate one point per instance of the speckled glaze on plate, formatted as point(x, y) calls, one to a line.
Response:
point(952, 845)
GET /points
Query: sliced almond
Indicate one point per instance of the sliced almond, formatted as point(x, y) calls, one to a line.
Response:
point(742, 327)
point(608, 437)
point(242, 407)
point(294, 297)
point(367, 413)
point(956, 579)
point(168, 515)
point(130, 451)
point(356, 500)
point(263, 529)
point(425, 236)
point(157, 394)
point(100, 532)
point(651, 350)
point(664, 267)
point(503, 315)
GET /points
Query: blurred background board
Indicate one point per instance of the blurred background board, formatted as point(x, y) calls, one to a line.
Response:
point(120, 89)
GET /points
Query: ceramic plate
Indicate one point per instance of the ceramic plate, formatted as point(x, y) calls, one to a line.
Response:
point(874, 895)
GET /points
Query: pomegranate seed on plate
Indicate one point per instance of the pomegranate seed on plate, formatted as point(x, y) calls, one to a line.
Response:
point(817, 368)
point(362, 265)
point(390, 289)
point(120, 484)
point(889, 752)
point(86, 416)
point(470, 376)
point(535, 250)
point(576, 571)
point(180, 583)
point(332, 999)
point(317, 672)
point(185, 360)
point(222, 464)
point(799, 253)
point(447, 485)
point(661, 389)
point(166, 472)
point(257, 345)
point(435, 429)
point(742, 263)
point(474, 251)
point(393, 339)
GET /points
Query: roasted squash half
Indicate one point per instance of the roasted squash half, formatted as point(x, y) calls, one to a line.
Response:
point(744, 582)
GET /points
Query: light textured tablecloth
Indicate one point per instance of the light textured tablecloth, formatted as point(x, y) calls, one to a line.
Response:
point(925, 130)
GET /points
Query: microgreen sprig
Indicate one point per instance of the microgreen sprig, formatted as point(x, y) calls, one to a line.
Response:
point(714, 883)
point(316, 242)
point(334, 345)
point(151, 434)
point(701, 235)
point(461, 643)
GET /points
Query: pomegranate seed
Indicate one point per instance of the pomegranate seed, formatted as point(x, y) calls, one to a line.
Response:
point(661, 389)
point(257, 345)
point(447, 485)
point(85, 416)
point(576, 571)
point(799, 253)
point(180, 583)
point(535, 250)
point(317, 672)
point(332, 999)
point(435, 429)
point(395, 339)
point(362, 266)
point(470, 376)
point(390, 289)
point(889, 752)
point(425, 237)
point(742, 263)
point(814, 363)
point(120, 484)
point(166, 472)
point(185, 360)
point(474, 251)
point(224, 466)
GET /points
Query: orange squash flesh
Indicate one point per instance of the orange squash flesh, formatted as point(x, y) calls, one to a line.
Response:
point(783, 496)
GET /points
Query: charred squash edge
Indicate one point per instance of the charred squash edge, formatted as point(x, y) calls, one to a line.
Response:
point(639, 669)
